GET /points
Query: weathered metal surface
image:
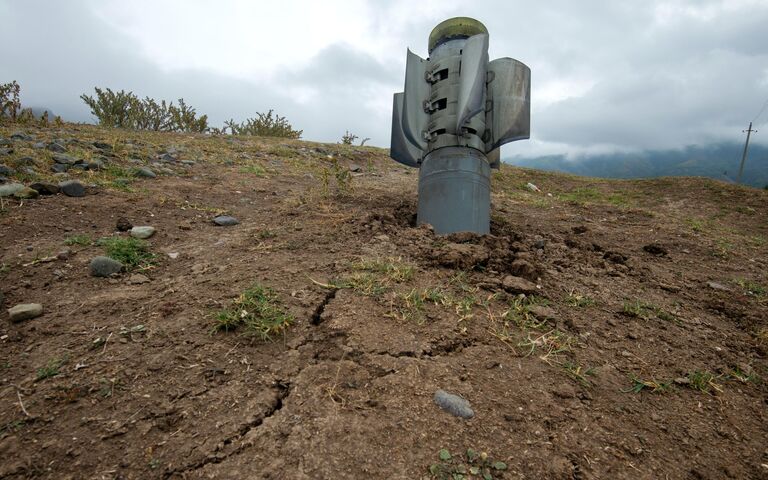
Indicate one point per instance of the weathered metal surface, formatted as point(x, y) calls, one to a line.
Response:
point(455, 191)
point(509, 92)
point(471, 101)
point(401, 149)
point(415, 118)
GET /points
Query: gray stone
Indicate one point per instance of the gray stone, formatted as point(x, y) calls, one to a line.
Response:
point(145, 172)
point(142, 232)
point(138, 279)
point(56, 147)
point(105, 266)
point(29, 171)
point(167, 157)
point(102, 146)
point(44, 188)
point(188, 162)
point(453, 404)
point(65, 159)
point(355, 168)
point(25, 160)
point(9, 189)
point(21, 136)
point(25, 311)
point(38, 145)
point(718, 286)
point(26, 193)
point(95, 164)
point(72, 188)
point(6, 151)
point(6, 170)
point(514, 284)
point(225, 221)
point(4, 142)
point(59, 168)
point(542, 313)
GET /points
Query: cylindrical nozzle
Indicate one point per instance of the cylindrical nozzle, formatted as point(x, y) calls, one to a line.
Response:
point(456, 27)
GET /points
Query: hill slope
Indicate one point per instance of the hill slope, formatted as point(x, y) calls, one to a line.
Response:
point(639, 351)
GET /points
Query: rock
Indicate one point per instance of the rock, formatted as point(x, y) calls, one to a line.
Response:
point(523, 268)
point(6, 151)
point(59, 168)
point(188, 163)
point(145, 173)
point(4, 142)
point(29, 171)
point(21, 136)
point(38, 145)
point(519, 285)
point(712, 285)
point(655, 249)
point(225, 221)
point(44, 188)
point(105, 267)
point(72, 188)
point(56, 147)
point(123, 224)
point(355, 168)
point(25, 311)
point(173, 255)
point(10, 189)
point(542, 313)
point(138, 279)
point(453, 404)
point(65, 159)
point(102, 146)
point(26, 193)
point(142, 232)
point(96, 164)
point(539, 242)
point(6, 170)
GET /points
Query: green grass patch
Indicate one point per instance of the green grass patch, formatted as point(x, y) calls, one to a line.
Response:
point(257, 311)
point(752, 288)
point(131, 252)
point(81, 240)
point(254, 170)
point(703, 381)
point(51, 369)
point(655, 386)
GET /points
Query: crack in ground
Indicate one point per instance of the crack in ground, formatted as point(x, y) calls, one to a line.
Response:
point(318, 313)
point(283, 390)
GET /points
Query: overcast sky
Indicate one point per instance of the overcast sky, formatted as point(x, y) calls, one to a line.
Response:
point(606, 75)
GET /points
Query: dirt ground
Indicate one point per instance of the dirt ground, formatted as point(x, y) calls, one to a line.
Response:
point(605, 329)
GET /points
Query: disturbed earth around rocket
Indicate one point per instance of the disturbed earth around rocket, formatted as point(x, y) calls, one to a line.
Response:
point(604, 329)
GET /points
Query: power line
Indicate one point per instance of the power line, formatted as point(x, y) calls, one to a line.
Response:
point(765, 105)
point(748, 131)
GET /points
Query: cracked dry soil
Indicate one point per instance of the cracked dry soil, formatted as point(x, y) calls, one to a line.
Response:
point(347, 391)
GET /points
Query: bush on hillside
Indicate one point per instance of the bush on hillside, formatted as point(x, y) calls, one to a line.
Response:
point(263, 125)
point(126, 110)
point(10, 105)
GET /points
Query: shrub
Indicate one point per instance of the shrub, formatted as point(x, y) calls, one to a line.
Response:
point(348, 138)
point(126, 110)
point(263, 125)
point(10, 105)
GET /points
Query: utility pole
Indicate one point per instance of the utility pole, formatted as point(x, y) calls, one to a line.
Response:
point(744, 156)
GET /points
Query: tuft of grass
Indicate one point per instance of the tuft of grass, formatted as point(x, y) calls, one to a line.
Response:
point(254, 170)
point(410, 305)
point(373, 277)
point(579, 373)
point(577, 300)
point(655, 386)
point(646, 311)
point(258, 311)
point(696, 224)
point(83, 240)
point(751, 288)
point(703, 381)
point(51, 369)
point(131, 252)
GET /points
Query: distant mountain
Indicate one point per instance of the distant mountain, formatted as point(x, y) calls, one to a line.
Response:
point(720, 161)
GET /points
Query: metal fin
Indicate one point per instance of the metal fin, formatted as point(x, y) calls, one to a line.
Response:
point(400, 149)
point(509, 91)
point(417, 89)
point(474, 63)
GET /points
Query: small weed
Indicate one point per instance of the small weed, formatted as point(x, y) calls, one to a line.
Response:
point(49, 370)
point(4, 268)
point(638, 385)
point(411, 305)
point(696, 224)
point(129, 251)
point(266, 234)
point(258, 311)
point(703, 381)
point(723, 249)
point(743, 377)
point(390, 269)
point(578, 300)
point(82, 240)
point(471, 465)
point(646, 311)
point(253, 169)
point(340, 174)
point(552, 344)
point(751, 288)
point(579, 373)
